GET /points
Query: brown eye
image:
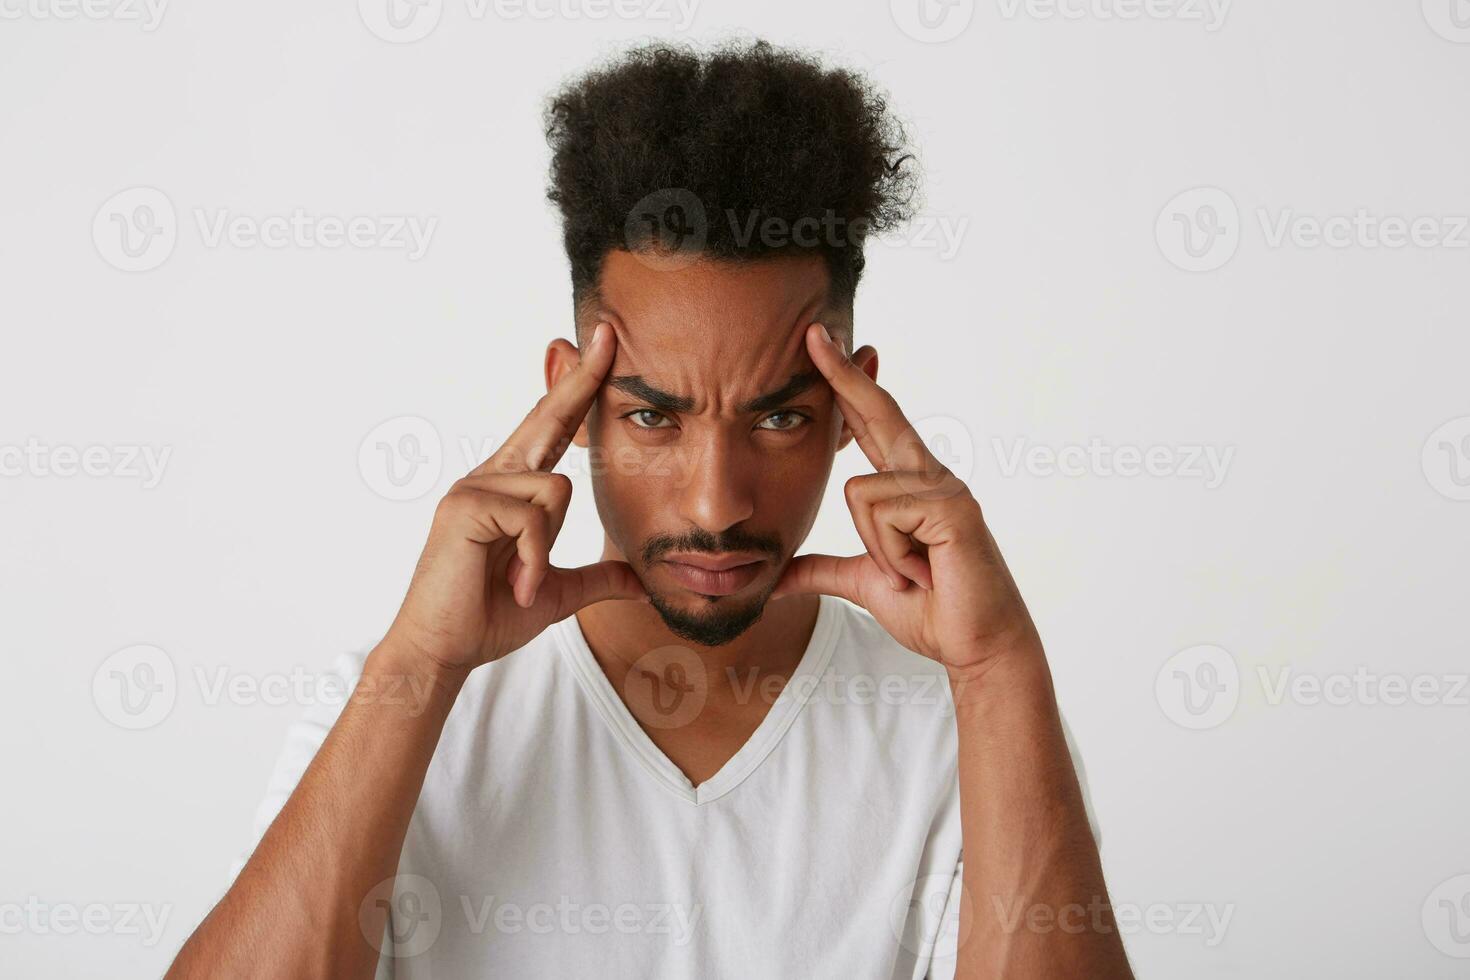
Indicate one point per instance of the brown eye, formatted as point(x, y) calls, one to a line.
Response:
point(647, 418)
point(783, 421)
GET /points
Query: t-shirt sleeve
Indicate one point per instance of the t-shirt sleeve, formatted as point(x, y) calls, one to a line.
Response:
point(303, 739)
point(946, 943)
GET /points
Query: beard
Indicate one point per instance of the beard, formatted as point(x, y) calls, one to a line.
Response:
point(719, 619)
point(715, 625)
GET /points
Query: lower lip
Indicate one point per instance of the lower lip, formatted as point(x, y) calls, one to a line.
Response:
point(707, 582)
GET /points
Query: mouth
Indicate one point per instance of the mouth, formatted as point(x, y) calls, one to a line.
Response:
point(714, 575)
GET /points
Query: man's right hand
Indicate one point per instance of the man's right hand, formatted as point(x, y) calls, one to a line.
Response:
point(485, 585)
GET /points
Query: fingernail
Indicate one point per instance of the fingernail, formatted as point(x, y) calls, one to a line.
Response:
point(825, 335)
point(599, 334)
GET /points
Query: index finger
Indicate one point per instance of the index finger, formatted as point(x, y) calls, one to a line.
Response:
point(882, 432)
point(543, 436)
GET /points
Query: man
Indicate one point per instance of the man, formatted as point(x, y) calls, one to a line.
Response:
point(702, 756)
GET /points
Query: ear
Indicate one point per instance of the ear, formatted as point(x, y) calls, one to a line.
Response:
point(865, 358)
point(561, 356)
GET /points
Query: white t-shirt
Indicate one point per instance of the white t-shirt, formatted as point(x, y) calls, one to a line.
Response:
point(554, 839)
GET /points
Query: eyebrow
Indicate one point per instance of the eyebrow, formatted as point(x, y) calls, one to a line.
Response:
point(635, 385)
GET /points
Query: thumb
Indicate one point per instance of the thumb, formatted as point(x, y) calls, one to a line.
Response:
point(821, 574)
point(573, 588)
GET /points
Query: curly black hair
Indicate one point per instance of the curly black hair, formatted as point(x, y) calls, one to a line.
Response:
point(735, 153)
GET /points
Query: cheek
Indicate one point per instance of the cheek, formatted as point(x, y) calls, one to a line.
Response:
point(794, 484)
point(630, 481)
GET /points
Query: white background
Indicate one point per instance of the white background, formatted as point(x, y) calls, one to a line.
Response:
point(1335, 542)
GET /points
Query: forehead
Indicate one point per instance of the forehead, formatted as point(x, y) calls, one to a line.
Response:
point(741, 323)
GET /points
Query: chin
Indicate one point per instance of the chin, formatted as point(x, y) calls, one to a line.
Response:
point(709, 621)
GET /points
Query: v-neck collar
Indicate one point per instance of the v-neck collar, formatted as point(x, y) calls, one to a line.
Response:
point(762, 742)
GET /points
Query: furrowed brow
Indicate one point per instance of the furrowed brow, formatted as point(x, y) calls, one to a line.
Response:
point(783, 394)
point(633, 384)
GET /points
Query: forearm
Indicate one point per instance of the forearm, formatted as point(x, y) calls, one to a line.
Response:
point(1035, 903)
point(294, 909)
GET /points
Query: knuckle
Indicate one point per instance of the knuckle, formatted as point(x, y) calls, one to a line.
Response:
point(560, 487)
point(454, 501)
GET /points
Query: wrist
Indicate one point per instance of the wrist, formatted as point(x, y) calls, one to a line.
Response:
point(394, 664)
point(1016, 675)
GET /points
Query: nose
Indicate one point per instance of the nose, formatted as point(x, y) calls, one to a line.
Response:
point(718, 493)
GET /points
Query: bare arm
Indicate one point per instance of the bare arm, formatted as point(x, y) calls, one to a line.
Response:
point(294, 909)
point(934, 578)
point(305, 904)
point(1034, 902)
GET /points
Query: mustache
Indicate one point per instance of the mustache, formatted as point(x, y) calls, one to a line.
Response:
point(698, 539)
